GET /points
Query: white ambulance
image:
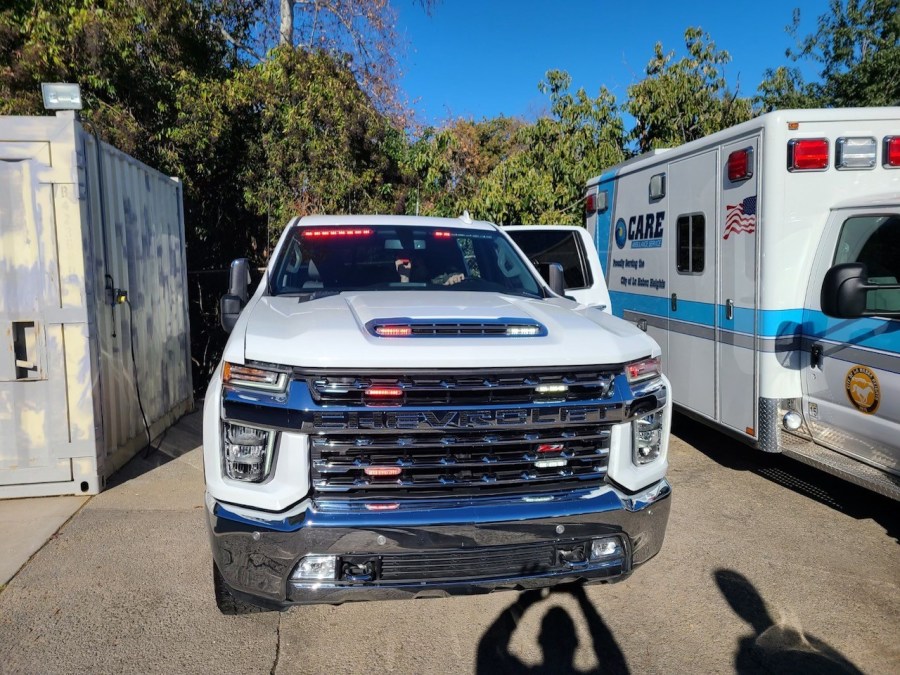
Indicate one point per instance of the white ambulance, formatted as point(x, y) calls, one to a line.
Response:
point(764, 259)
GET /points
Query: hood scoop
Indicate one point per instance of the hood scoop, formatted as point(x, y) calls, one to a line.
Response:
point(414, 328)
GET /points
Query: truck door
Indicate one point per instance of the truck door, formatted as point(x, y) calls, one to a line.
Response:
point(691, 364)
point(736, 336)
point(34, 433)
point(851, 367)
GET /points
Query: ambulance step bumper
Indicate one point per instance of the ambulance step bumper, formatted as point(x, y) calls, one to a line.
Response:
point(847, 468)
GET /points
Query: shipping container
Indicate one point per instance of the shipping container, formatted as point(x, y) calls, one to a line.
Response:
point(84, 226)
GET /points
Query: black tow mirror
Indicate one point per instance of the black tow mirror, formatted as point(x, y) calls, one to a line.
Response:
point(847, 294)
point(231, 304)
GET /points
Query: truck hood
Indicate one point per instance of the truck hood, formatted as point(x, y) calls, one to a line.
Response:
point(331, 332)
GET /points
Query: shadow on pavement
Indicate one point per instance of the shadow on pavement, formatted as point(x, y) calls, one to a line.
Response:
point(850, 499)
point(772, 647)
point(558, 639)
point(180, 438)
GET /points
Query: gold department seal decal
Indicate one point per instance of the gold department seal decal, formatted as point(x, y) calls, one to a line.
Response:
point(862, 389)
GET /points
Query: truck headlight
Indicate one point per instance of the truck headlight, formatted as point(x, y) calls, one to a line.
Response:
point(647, 442)
point(254, 377)
point(645, 369)
point(247, 452)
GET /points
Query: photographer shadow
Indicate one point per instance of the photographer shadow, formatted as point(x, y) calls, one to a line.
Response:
point(558, 638)
point(778, 648)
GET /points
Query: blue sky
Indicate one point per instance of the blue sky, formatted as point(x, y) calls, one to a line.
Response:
point(482, 58)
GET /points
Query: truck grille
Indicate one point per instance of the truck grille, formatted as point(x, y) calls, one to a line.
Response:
point(462, 564)
point(466, 388)
point(463, 462)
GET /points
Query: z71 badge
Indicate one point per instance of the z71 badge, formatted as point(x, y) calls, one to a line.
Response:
point(862, 389)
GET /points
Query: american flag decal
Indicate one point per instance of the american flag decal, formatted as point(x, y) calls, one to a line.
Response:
point(740, 217)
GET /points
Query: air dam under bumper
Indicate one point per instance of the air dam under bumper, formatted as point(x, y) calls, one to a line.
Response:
point(256, 552)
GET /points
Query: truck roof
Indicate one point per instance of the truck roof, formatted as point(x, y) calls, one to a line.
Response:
point(406, 221)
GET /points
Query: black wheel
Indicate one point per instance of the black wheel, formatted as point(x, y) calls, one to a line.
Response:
point(227, 602)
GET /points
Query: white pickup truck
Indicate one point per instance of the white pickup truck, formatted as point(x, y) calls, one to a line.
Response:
point(405, 408)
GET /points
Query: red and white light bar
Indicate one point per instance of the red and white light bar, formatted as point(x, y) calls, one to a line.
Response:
point(850, 153)
point(338, 232)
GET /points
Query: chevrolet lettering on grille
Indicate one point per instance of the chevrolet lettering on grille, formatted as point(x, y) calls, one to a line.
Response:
point(458, 419)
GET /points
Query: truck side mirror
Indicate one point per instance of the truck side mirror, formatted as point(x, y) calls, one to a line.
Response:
point(557, 279)
point(552, 273)
point(231, 304)
point(846, 293)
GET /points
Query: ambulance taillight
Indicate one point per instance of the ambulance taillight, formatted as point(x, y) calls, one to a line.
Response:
point(892, 151)
point(740, 165)
point(808, 154)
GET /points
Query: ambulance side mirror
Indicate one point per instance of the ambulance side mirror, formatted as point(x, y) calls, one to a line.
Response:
point(847, 294)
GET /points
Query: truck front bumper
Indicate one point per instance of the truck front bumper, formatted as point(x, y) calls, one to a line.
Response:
point(257, 552)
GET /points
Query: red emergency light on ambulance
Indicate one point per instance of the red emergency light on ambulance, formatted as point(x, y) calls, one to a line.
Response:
point(765, 259)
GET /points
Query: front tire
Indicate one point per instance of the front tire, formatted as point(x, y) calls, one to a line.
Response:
point(226, 601)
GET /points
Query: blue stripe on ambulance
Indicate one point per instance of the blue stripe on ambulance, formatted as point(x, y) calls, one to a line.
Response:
point(870, 333)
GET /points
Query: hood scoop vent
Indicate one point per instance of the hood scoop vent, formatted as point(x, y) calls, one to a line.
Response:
point(414, 328)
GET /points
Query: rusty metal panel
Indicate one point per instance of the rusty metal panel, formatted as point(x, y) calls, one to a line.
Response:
point(77, 217)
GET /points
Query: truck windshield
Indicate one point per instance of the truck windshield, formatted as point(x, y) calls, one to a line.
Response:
point(319, 260)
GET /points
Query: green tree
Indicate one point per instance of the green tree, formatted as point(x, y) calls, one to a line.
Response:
point(320, 144)
point(128, 58)
point(857, 47)
point(680, 101)
point(784, 88)
point(542, 181)
point(445, 167)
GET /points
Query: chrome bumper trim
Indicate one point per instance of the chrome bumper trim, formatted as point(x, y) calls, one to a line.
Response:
point(256, 551)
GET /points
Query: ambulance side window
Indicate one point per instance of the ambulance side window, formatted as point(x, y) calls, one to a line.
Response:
point(875, 242)
point(690, 243)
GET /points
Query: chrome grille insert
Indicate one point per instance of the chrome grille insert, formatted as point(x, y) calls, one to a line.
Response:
point(473, 462)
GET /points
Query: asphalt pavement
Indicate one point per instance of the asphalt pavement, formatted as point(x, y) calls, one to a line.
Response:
point(768, 566)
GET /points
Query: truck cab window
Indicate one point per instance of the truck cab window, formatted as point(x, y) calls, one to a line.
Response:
point(690, 243)
point(875, 242)
point(563, 247)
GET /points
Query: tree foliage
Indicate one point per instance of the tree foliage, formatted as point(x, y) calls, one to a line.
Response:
point(446, 167)
point(322, 147)
point(128, 57)
point(362, 33)
point(857, 48)
point(681, 101)
point(544, 181)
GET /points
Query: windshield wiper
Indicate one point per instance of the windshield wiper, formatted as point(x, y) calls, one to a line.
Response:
point(306, 296)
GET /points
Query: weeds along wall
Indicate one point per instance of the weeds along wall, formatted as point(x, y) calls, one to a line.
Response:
point(84, 226)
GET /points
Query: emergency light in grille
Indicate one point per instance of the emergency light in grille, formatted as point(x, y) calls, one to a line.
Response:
point(470, 388)
point(404, 328)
